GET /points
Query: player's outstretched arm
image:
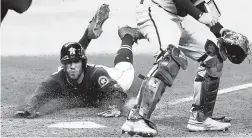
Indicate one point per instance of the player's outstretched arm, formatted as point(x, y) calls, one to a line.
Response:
point(94, 28)
point(48, 90)
point(111, 93)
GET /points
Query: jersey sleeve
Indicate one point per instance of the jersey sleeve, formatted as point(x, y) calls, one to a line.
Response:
point(112, 93)
point(102, 79)
point(107, 85)
point(51, 87)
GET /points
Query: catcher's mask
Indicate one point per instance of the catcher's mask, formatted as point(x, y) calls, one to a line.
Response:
point(73, 51)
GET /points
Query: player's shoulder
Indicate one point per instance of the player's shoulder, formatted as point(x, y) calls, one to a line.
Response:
point(94, 71)
point(59, 72)
point(54, 81)
point(59, 75)
point(95, 67)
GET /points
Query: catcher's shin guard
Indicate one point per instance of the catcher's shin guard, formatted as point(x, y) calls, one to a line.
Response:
point(160, 76)
point(202, 110)
point(151, 91)
point(206, 91)
point(207, 81)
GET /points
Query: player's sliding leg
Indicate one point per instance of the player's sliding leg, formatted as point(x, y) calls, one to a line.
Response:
point(123, 71)
point(129, 36)
point(153, 86)
point(123, 61)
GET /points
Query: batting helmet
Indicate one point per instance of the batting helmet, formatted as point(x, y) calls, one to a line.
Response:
point(72, 51)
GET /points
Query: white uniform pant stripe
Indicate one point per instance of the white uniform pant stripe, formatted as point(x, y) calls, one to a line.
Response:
point(155, 26)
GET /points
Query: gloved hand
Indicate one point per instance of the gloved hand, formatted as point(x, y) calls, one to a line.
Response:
point(236, 45)
point(112, 111)
point(26, 114)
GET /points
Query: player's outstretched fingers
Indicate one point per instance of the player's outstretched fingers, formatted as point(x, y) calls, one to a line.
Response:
point(110, 113)
point(102, 113)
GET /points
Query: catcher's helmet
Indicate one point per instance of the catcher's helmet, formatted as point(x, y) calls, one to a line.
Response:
point(72, 51)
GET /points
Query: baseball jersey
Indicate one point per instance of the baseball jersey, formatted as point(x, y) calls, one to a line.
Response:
point(96, 84)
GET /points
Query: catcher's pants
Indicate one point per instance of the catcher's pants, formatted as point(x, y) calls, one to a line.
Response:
point(162, 28)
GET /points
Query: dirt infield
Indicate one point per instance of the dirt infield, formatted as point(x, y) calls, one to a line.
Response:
point(20, 75)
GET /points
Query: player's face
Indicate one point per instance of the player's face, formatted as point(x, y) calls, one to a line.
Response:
point(74, 69)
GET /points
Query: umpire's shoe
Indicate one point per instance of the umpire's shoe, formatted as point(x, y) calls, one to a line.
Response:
point(207, 124)
point(95, 26)
point(137, 125)
point(133, 32)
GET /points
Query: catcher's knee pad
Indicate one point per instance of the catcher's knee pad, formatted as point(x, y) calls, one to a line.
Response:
point(168, 65)
point(207, 94)
point(160, 76)
point(213, 60)
point(152, 89)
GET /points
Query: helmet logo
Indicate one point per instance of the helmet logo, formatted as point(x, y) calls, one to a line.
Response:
point(72, 51)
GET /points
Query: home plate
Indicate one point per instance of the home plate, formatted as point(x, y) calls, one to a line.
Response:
point(85, 124)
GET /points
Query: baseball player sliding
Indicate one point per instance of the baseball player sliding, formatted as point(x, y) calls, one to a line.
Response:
point(87, 85)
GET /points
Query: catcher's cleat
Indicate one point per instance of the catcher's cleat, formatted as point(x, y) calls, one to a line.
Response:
point(134, 32)
point(208, 125)
point(137, 125)
point(95, 25)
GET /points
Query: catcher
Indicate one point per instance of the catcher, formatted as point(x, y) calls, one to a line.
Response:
point(161, 23)
point(92, 85)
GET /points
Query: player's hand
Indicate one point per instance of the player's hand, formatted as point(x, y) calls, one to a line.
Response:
point(26, 114)
point(112, 112)
point(208, 19)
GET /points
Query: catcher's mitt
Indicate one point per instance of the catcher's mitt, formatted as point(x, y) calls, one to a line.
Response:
point(236, 44)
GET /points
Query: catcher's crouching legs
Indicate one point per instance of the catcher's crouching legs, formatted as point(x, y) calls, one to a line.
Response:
point(150, 93)
point(206, 86)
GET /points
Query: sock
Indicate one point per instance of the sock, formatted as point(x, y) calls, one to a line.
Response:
point(127, 40)
point(124, 54)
